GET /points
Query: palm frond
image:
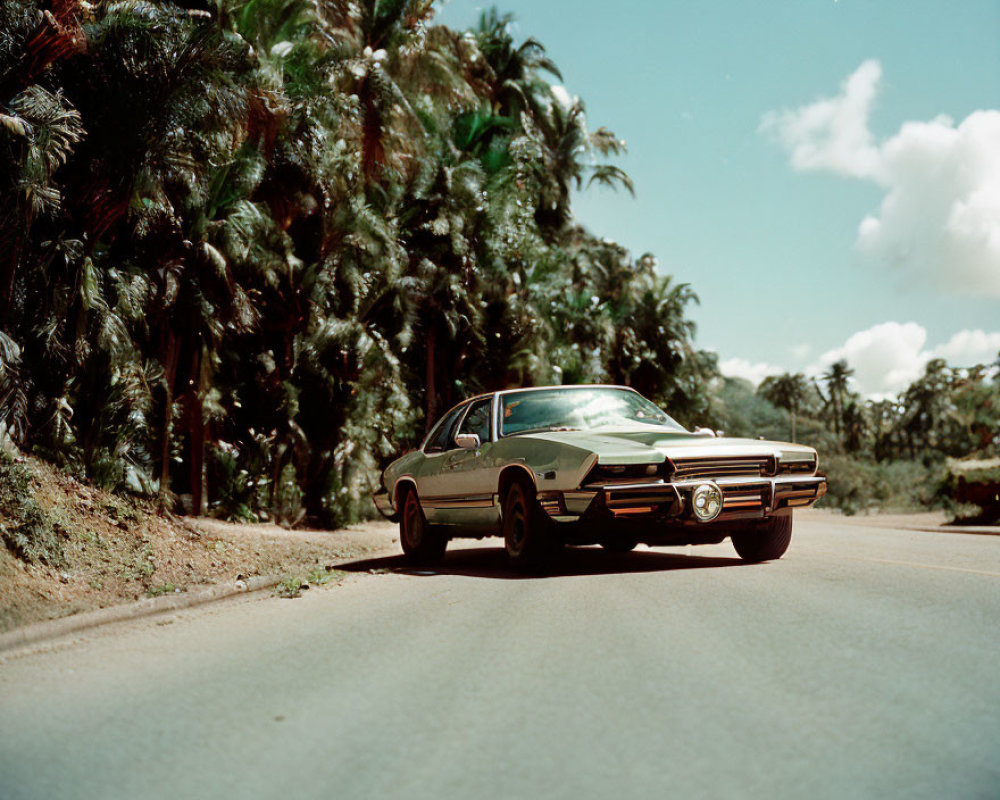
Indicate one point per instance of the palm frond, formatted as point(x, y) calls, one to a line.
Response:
point(611, 176)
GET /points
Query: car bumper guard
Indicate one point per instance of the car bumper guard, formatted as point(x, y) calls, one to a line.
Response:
point(742, 498)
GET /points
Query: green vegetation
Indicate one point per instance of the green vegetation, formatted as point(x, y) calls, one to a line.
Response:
point(321, 576)
point(887, 454)
point(290, 588)
point(248, 252)
point(140, 564)
point(24, 527)
point(166, 588)
point(859, 484)
point(293, 587)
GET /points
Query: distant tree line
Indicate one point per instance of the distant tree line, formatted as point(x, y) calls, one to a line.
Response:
point(946, 412)
point(249, 249)
point(888, 454)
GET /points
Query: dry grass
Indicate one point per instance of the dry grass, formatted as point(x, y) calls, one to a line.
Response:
point(114, 550)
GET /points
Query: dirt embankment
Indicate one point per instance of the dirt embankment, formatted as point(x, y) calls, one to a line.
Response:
point(104, 550)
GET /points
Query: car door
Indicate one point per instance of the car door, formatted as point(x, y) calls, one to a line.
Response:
point(431, 477)
point(471, 474)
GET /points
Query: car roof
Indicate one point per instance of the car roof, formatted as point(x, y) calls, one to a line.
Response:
point(564, 386)
point(544, 388)
point(533, 389)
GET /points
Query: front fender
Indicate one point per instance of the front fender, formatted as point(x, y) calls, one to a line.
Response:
point(554, 465)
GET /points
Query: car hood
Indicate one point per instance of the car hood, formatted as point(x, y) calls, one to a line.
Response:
point(645, 445)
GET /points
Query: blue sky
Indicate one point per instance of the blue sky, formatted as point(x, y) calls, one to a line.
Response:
point(764, 221)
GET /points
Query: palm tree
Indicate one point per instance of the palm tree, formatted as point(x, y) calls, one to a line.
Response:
point(569, 158)
point(885, 417)
point(386, 58)
point(785, 391)
point(249, 251)
point(856, 424)
point(927, 407)
point(514, 70)
point(447, 276)
point(157, 93)
point(836, 380)
point(39, 129)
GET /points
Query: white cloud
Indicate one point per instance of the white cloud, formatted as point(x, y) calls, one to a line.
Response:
point(940, 217)
point(885, 358)
point(753, 372)
point(832, 134)
point(800, 351)
point(969, 348)
point(888, 357)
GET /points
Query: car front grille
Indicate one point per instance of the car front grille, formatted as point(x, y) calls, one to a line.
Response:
point(743, 498)
point(798, 467)
point(687, 469)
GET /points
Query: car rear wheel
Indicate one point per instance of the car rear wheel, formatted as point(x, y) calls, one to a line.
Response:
point(527, 533)
point(422, 543)
point(766, 541)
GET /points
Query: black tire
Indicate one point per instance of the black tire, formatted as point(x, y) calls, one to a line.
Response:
point(422, 543)
point(766, 541)
point(527, 532)
point(619, 544)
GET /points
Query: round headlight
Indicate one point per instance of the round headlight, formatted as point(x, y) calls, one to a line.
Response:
point(706, 501)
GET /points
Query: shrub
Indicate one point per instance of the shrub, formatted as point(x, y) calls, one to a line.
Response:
point(857, 484)
point(290, 588)
point(235, 487)
point(26, 530)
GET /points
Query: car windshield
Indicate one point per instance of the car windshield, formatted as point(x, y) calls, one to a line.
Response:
point(577, 409)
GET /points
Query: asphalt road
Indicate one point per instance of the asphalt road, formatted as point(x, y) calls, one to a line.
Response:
point(863, 664)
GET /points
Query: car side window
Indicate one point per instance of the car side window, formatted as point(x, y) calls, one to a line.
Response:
point(441, 437)
point(477, 421)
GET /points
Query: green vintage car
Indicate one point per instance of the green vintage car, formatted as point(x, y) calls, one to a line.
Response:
point(577, 465)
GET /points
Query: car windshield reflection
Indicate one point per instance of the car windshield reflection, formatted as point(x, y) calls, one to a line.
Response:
point(568, 409)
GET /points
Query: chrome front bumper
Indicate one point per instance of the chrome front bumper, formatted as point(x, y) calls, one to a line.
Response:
point(742, 498)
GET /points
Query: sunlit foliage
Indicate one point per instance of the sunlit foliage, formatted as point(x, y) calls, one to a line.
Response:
point(251, 248)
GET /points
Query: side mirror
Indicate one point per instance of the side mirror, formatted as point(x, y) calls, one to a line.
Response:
point(468, 441)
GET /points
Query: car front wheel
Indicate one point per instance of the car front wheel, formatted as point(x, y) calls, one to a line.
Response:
point(766, 541)
point(422, 543)
point(526, 535)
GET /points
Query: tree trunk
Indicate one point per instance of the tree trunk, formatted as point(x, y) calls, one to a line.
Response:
point(169, 375)
point(373, 158)
point(315, 485)
point(838, 415)
point(196, 435)
point(196, 431)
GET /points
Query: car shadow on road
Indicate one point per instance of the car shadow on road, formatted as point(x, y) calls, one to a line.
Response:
point(491, 562)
